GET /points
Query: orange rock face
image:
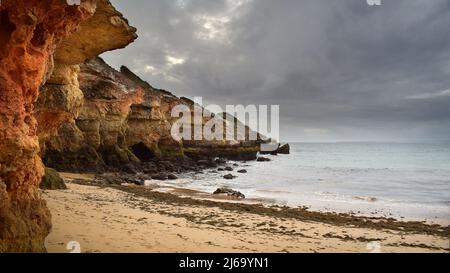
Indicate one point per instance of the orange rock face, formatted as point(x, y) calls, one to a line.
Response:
point(29, 33)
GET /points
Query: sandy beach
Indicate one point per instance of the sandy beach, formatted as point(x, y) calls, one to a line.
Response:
point(135, 219)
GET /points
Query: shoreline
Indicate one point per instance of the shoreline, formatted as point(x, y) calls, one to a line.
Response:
point(271, 201)
point(105, 219)
point(188, 196)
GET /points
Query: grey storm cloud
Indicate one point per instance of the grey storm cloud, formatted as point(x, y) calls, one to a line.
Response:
point(340, 70)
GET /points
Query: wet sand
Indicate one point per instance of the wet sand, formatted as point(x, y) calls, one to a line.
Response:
point(137, 219)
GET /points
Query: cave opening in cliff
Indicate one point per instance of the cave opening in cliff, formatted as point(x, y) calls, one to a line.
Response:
point(39, 38)
point(6, 30)
point(142, 152)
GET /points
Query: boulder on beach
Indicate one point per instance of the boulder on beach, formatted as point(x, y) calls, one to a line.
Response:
point(160, 176)
point(172, 177)
point(242, 171)
point(52, 180)
point(263, 159)
point(229, 176)
point(230, 192)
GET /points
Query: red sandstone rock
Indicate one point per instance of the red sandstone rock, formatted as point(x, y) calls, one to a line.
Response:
point(29, 33)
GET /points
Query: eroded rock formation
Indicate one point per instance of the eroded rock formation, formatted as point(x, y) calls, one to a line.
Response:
point(84, 114)
point(96, 138)
point(124, 119)
point(30, 33)
point(61, 99)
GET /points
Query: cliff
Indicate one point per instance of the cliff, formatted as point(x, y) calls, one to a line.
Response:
point(60, 102)
point(42, 41)
point(122, 120)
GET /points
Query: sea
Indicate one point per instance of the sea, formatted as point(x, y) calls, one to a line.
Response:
point(408, 181)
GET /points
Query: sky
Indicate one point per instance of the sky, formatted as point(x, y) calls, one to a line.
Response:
point(339, 70)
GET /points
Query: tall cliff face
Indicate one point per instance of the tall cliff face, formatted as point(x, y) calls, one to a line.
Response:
point(96, 138)
point(124, 119)
point(31, 31)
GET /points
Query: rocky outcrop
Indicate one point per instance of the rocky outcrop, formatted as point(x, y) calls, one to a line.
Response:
point(30, 30)
point(83, 115)
point(284, 149)
point(121, 121)
point(61, 99)
point(277, 148)
point(106, 30)
point(241, 147)
point(124, 119)
point(42, 41)
point(230, 192)
point(95, 139)
point(52, 180)
point(150, 122)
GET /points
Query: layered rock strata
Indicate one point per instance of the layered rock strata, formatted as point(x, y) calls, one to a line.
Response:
point(124, 119)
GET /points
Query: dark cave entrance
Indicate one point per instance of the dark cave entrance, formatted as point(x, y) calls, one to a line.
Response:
point(142, 152)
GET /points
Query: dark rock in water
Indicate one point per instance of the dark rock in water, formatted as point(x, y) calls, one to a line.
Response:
point(269, 149)
point(160, 176)
point(229, 192)
point(269, 152)
point(229, 169)
point(203, 162)
point(263, 159)
point(52, 180)
point(221, 161)
point(207, 163)
point(212, 164)
point(229, 176)
point(236, 165)
point(172, 177)
point(232, 152)
point(220, 169)
point(284, 149)
point(135, 180)
point(242, 171)
point(129, 168)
